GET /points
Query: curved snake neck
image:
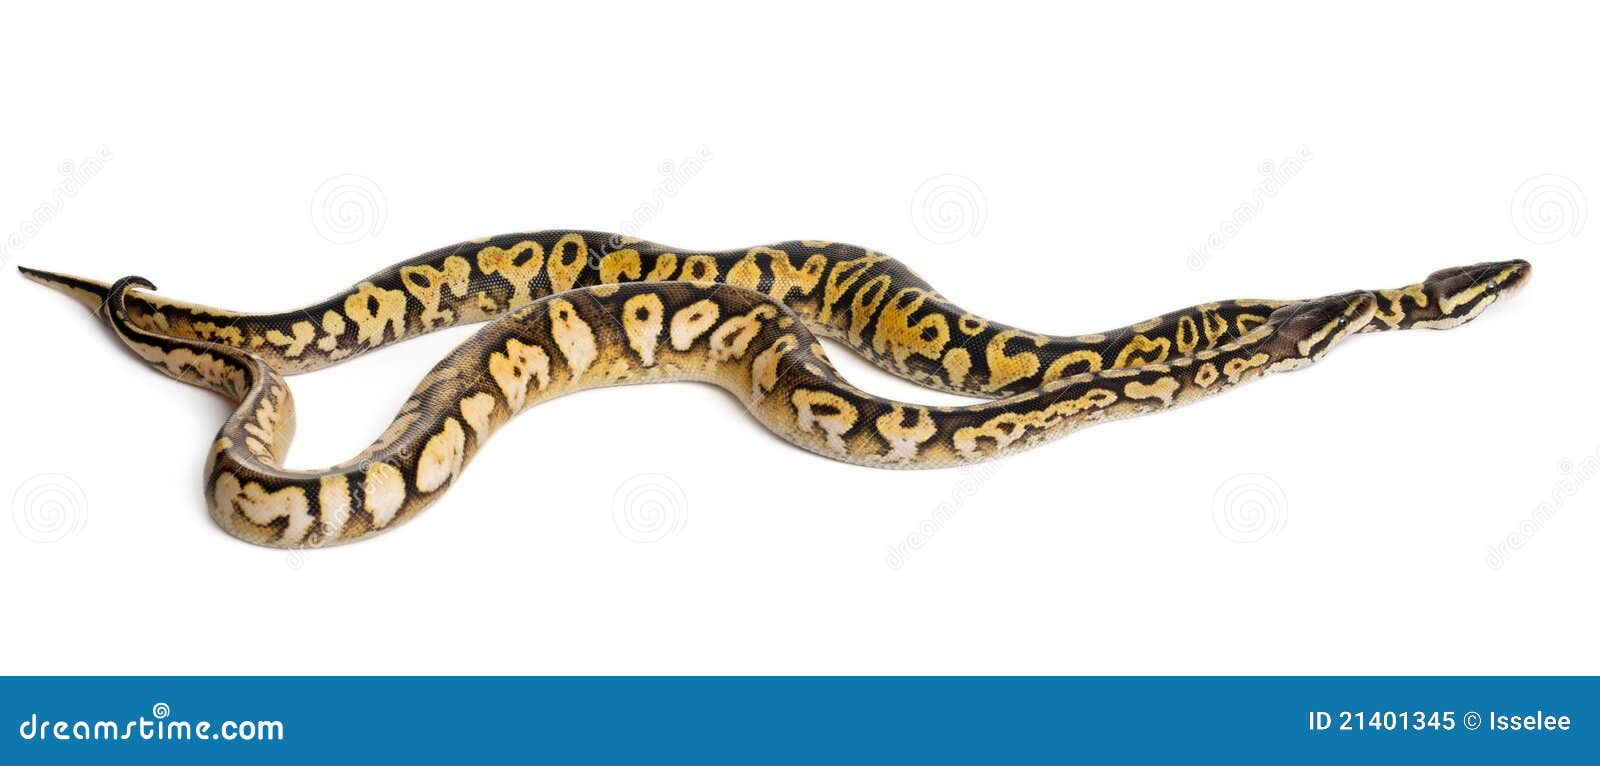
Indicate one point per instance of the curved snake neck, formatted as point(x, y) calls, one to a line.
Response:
point(576, 310)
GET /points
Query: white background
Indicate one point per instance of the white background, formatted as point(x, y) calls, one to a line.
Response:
point(1051, 168)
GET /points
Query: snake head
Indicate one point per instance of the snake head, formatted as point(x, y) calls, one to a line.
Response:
point(1449, 297)
point(1309, 329)
point(1459, 294)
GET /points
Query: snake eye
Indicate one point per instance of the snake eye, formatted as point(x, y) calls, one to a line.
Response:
point(1491, 285)
point(1344, 320)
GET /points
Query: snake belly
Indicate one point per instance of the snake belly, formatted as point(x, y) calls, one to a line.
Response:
point(755, 341)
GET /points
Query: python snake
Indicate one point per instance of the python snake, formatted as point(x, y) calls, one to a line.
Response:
point(574, 310)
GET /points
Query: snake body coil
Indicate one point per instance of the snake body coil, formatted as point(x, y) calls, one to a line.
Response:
point(576, 310)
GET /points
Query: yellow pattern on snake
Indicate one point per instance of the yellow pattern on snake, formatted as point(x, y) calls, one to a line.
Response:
point(575, 310)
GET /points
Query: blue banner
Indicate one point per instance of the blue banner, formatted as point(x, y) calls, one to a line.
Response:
point(800, 720)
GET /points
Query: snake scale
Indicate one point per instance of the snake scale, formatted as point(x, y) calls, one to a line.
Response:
point(570, 310)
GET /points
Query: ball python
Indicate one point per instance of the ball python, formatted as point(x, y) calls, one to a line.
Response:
point(568, 311)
